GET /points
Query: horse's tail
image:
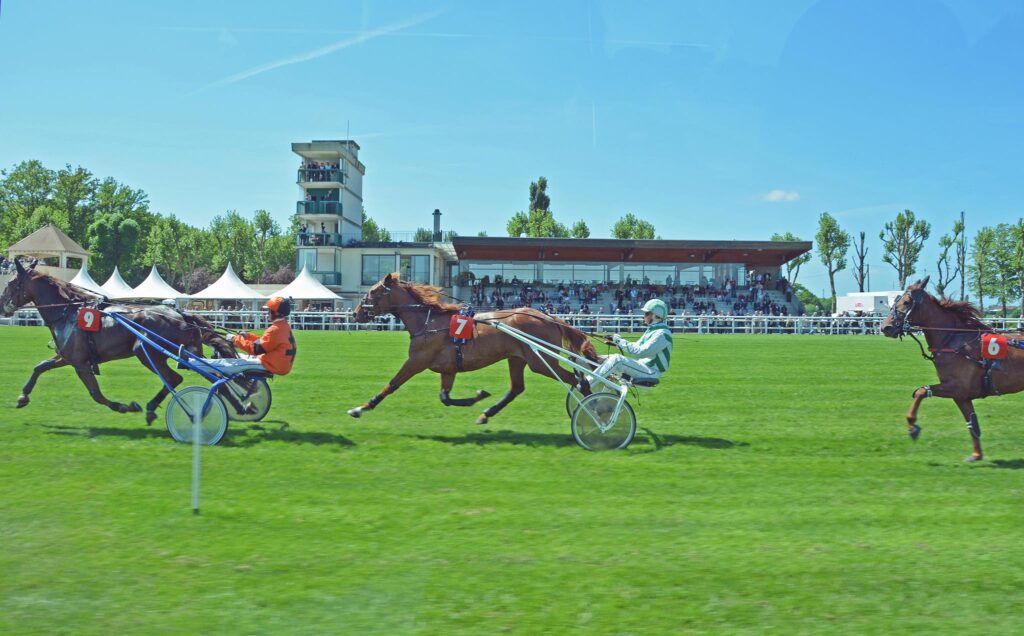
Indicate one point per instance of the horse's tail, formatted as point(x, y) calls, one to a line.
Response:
point(208, 335)
point(577, 341)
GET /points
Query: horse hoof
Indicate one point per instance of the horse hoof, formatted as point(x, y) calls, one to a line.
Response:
point(972, 458)
point(356, 412)
point(134, 407)
point(481, 420)
point(22, 401)
point(150, 417)
point(914, 430)
point(481, 394)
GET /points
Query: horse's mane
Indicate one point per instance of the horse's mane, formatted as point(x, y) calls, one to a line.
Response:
point(966, 312)
point(67, 291)
point(426, 295)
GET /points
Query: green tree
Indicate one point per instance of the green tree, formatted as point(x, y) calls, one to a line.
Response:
point(482, 233)
point(793, 265)
point(902, 240)
point(1005, 286)
point(163, 246)
point(948, 265)
point(539, 199)
point(980, 267)
point(423, 235)
point(536, 224)
point(580, 230)
point(232, 239)
point(265, 230)
point(632, 227)
point(114, 239)
point(518, 225)
point(73, 192)
point(24, 188)
point(812, 304)
point(373, 233)
point(833, 243)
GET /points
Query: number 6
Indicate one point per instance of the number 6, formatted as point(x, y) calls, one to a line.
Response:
point(993, 347)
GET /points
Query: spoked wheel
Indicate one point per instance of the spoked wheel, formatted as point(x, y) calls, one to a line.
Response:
point(572, 400)
point(596, 426)
point(213, 423)
point(252, 394)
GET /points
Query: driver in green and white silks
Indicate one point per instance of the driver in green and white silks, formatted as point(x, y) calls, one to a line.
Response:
point(653, 349)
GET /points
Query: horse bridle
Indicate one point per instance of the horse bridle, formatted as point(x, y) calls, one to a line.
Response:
point(901, 320)
point(17, 299)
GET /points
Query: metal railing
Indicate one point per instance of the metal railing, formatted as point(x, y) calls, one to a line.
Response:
point(601, 323)
point(312, 239)
point(321, 175)
point(318, 207)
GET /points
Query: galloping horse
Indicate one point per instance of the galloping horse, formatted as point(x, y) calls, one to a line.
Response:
point(953, 331)
point(430, 347)
point(58, 303)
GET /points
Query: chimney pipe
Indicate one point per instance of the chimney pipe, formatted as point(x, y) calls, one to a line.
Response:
point(437, 226)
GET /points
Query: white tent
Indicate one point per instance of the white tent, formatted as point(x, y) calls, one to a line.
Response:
point(115, 287)
point(305, 287)
point(228, 287)
point(85, 281)
point(154, 287)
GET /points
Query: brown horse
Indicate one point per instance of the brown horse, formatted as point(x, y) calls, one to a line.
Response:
point(430, 347)
point(953, 332)
point(58, 304)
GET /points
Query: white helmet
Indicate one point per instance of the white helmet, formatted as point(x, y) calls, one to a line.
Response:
point(657, 307)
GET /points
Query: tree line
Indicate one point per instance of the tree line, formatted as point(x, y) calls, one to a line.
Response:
point(539, 221)
point(115, 223)
point(989, 266)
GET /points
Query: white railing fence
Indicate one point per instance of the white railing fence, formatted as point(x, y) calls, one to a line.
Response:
point(598, 323)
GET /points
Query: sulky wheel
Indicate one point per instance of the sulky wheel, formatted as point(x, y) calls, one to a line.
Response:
point(213, 422)
point(596, 426)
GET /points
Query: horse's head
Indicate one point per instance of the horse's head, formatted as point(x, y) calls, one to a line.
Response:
point(378, 300)
point(17, 293)
point(898, 322)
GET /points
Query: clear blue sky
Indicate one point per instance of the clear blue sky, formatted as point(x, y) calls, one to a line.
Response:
point(714, 120)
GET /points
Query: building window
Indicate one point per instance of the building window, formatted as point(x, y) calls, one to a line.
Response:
point(307, 258)
point(415, 269)
point(376, 267)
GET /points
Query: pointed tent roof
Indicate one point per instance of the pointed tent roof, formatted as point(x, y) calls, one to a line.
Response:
point(115, 287)
point(47, 240)
point(154, 287)
point(85, 281)
point(228, 287)
point(305, 287)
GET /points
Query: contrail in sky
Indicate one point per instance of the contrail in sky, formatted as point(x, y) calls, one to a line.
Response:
point(322, 51)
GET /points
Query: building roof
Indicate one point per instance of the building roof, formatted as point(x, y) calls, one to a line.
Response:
point(228, 287)
point(47, 240)
point(305, 287)
point(154, 287)
point(115, 287)
point(85, 281)
point(627, 251)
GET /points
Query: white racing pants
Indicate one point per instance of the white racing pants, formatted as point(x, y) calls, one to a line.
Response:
point(232, 366)
point(617, 364)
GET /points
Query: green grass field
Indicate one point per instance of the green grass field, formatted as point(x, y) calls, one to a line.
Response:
point(771, 487)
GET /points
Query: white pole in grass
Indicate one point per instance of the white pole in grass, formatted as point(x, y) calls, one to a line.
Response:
point(197, 415)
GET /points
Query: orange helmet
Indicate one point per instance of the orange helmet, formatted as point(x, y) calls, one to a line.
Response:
point(279, 305)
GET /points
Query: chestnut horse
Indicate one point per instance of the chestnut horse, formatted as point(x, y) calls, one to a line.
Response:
point(58, 304)
point(953, 332)
point(430, 347)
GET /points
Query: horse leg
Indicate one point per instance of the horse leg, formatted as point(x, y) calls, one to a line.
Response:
point(518, 385)
point(447, 382)
point(162, 369)
point(89, 380)
point(53, 363)
point(411, 367)
point(967, 408)
point(935, 390)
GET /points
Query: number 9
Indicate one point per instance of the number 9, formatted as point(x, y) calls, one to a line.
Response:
point(89, 318)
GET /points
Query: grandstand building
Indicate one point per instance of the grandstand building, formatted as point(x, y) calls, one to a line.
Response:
point(331, 246)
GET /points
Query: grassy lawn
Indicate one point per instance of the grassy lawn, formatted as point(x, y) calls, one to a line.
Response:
point(771, 488)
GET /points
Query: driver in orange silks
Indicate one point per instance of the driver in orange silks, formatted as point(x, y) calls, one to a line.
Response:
point(274, 351)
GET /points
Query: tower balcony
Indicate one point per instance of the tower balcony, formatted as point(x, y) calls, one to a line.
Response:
point(318, 207)
point(322, 177)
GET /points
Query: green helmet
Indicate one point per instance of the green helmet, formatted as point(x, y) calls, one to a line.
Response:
point(657, 307)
